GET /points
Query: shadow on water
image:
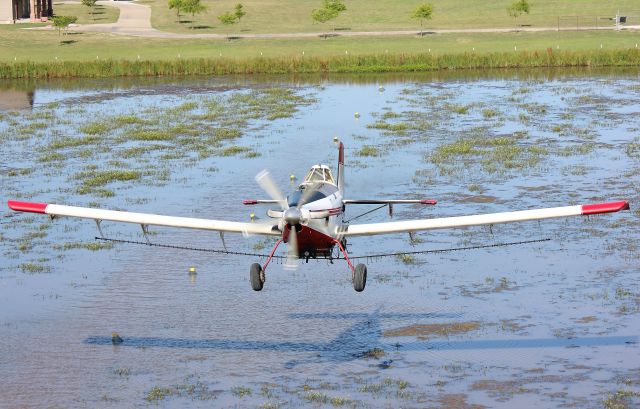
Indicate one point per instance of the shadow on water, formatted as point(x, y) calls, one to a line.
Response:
point(364, 335)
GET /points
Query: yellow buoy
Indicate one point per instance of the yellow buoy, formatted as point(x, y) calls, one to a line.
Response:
point(252, 216)
point(292, 177)
point(357, 115)
point(192, 270)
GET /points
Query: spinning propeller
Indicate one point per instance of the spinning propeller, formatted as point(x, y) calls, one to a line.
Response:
point(289, 216)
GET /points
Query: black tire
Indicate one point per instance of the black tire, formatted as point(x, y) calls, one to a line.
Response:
point(256, 280)
point(360, 277)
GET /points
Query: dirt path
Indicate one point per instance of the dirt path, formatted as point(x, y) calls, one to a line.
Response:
point(135, 20)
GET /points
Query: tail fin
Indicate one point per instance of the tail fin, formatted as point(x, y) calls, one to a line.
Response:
point(341, 168)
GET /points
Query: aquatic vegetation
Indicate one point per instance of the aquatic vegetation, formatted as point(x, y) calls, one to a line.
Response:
point(458, 109)
point(69, 142)
point(241, 391)
point(33, 268)
point(95, 128)
point(622, 399)
point(490, 113)
point(496, 154)
point(157, 394)
point(376, 353)
point(368, 150)
point(398, 128)
point(148, 135)
point(316, 397)
point(91, 246)
point(406, 258)
point(124, 371)
point(234, 150)
point(100, 178)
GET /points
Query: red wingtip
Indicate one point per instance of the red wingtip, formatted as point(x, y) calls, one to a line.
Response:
point(250, 202)
point(429, 202)
point(609, 207)
point(27, 206)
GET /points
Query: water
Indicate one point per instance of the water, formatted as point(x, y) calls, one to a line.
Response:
point(557, 321)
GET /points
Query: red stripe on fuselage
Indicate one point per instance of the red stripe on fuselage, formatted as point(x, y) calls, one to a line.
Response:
point(27, 206)
point(609, 207)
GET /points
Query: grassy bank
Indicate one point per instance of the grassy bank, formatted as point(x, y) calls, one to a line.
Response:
point(290, 16)
point(101, 14)
point(334, 64)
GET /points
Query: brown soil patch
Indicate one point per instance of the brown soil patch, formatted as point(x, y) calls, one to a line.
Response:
point(425, 331)
point(587, 319)
point(457, 401)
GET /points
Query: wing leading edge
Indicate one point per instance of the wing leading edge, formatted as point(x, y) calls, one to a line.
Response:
point(144, 218)
point(481, 219)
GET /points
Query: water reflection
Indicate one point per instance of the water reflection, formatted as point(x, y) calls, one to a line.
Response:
point(13, 99)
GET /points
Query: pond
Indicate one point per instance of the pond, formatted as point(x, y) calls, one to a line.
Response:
point(553, 322)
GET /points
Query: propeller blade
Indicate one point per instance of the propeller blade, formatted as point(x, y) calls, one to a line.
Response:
point(292, 255)
point(268, 185)
point(275, 214)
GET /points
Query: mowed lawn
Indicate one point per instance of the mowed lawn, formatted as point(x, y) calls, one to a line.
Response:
point(98, 15)
point(48, 45)
point(290, 16)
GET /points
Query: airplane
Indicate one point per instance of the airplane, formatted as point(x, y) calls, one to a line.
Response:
point(310, 219)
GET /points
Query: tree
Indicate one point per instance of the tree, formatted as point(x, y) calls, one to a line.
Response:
point(91, 4)
point(63, 22)
point(423, 12)
point(239, 13)
point(517, 8)
point(193, 7)
point(330, 10)
point(178, 5)
point(228, 19)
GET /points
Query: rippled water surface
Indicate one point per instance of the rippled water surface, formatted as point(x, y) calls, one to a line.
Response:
point(554, 323)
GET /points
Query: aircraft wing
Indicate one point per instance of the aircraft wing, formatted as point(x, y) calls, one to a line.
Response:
point(144, 218)
point(480, 219)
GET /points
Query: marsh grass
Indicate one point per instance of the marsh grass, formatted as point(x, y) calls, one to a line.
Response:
point(495, 154)
point(241, 391)
point(385, 62)
point(91, 179)
point(33, 268)
point(91, 246)
point(316, 397)
point(367, 151)
point(95, 128)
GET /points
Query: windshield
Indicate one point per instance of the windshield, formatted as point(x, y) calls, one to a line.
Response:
point(319, 174)
point(303, 196)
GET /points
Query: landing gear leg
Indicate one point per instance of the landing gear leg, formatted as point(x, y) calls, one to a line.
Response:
point(358, 274)
point(257, 274)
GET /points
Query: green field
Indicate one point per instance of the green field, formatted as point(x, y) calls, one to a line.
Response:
point(47, 46)
point(101, 14)
point(290, 16)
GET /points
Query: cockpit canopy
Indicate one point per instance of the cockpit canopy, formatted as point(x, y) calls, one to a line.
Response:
point(319, 174)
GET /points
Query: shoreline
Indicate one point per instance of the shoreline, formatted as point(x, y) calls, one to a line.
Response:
point(372, 63)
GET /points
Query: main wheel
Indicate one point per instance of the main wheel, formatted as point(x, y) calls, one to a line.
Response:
point(255, 274)
point(360, 277)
